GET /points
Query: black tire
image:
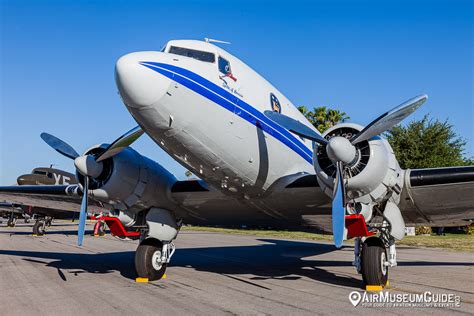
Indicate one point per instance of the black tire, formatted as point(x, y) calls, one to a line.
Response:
point(143, 260)
point(11, 223)
point(372, 258)
point(38, 228)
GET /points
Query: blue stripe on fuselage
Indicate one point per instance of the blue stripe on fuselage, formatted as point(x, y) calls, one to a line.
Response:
point(230, 102)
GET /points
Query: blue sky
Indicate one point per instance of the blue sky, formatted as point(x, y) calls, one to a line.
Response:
point(364, 57)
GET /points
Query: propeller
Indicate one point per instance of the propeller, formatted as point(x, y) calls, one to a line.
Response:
point(295, 126)
point(338, 207)
point(90, 166)
point(342, 151)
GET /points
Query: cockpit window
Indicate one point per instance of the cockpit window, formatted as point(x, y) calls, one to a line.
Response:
point(224, 66)
point(39, 172)
point(196, 54)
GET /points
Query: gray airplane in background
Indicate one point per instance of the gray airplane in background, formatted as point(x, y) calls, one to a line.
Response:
point(43, 216)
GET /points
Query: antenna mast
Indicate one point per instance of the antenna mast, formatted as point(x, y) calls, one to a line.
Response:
point(211, 40)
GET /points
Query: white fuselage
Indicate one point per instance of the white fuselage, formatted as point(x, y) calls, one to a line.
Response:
point(211, 123)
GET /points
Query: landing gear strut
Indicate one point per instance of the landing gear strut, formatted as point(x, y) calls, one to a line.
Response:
point(11, 220)
point(99, 228)
point(152, 258)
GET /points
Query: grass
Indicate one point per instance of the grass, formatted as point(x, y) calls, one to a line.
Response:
point(455, 242)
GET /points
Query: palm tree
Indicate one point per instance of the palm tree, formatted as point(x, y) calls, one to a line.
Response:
point(323, 118)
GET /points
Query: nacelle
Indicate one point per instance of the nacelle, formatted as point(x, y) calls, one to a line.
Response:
point(130, 181)
point(373, 176)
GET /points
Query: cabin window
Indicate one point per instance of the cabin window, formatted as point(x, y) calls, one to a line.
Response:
point(224, 66)
point(275, 103)
point(49, 175)
point(192, 53)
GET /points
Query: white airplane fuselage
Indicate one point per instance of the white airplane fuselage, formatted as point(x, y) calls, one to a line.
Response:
point(210, 121)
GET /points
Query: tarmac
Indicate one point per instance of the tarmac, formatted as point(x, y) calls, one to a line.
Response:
point(211, 274)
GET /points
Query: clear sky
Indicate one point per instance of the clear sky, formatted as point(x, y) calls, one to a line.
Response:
point(364, 57)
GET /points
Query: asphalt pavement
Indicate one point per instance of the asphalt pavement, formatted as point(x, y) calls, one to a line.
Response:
point(211, 274)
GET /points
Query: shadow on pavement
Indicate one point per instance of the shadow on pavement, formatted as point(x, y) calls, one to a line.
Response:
point(275, 259)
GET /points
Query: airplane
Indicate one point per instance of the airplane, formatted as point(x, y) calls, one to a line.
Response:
point(259, 160)
point(43, 216)
point(47, 176)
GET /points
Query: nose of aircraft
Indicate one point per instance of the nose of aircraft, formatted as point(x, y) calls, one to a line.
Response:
point(25, 179)
point(138, 85)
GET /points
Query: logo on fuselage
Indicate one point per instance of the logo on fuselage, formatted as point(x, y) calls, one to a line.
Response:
point(275, 103)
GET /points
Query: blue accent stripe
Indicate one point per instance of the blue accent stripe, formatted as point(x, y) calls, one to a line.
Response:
point(232, 103)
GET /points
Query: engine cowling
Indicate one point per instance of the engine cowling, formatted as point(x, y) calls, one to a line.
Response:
point(373, 175)
point(130, 182)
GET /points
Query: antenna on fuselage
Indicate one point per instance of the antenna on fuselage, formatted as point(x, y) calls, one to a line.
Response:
point(211, 40)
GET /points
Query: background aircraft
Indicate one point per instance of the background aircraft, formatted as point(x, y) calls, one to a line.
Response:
point(43, 216)
point(260, 161)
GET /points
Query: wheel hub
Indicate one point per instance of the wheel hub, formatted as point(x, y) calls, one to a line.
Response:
point(156, 260)
point(383, 263)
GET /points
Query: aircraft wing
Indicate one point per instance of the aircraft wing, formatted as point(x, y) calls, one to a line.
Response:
point(439, 196)
point(296, 204)
point(432, 197)
point(54, 197)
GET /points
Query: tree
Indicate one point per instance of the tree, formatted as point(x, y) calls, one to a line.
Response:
point(323, 118)
point(427, 143)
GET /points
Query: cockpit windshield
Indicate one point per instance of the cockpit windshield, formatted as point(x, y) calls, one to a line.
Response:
point(196, 54)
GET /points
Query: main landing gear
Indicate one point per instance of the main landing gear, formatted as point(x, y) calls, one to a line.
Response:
point(11, 220)
point(152, 258)
point(156, 246)
point(372, 258)
point(374, 247)
point(40, 225)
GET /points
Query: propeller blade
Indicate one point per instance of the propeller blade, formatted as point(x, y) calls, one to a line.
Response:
point(59, 145)
point(121, 143)
point(389, 119)
point(295, 126)
point(338, 208)
point(83, 214)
